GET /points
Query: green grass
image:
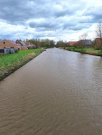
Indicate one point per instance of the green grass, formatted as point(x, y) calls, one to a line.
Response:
point(11, 62)
point(91, 50)
point(76, 49)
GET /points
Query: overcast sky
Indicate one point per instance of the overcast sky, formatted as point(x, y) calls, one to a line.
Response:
point(53, 19)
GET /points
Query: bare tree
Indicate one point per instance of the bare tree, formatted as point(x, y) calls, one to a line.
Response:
point(99, 34)
point(83, 39)
point(84, 36)
point(99, 30)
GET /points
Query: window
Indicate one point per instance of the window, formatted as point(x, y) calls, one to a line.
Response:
point(1, 50)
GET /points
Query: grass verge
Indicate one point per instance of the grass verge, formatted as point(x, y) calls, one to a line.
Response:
point(11, 62)
point(91, 51)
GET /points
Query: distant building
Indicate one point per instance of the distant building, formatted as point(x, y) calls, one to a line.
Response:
point(86, 42)
point(30, 46)
point(72, 43)
point(8, 46)
point(98, 42)
point(25, 45)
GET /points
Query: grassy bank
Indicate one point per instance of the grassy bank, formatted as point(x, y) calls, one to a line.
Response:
point(91, 51)
point(10, 62)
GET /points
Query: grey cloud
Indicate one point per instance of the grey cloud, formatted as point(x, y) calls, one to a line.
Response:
point(47, 25)
point(95, 14)
point(18, 11)
point(58, 15)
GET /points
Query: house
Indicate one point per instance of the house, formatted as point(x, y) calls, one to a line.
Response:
point(23, 45)
point(8, 46)
point(86, 42)
point(72, 43)
point(98, 42)
point(30, 46)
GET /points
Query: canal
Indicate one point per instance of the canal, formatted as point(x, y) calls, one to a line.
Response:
point(57, 93)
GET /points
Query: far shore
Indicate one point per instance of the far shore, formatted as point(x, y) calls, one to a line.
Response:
point(85, 50)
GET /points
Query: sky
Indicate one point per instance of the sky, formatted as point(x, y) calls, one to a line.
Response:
point(53, 19)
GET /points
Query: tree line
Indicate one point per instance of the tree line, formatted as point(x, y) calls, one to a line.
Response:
point(47, 43)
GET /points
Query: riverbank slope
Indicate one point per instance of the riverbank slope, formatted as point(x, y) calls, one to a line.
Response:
point(11, 62)
point(91, 50)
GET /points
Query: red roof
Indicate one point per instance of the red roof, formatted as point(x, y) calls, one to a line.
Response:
point(72, 43)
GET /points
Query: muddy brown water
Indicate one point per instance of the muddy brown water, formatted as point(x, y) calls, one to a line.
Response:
point(57, 93)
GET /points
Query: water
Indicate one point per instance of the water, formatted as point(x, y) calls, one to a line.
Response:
point(57, 93)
